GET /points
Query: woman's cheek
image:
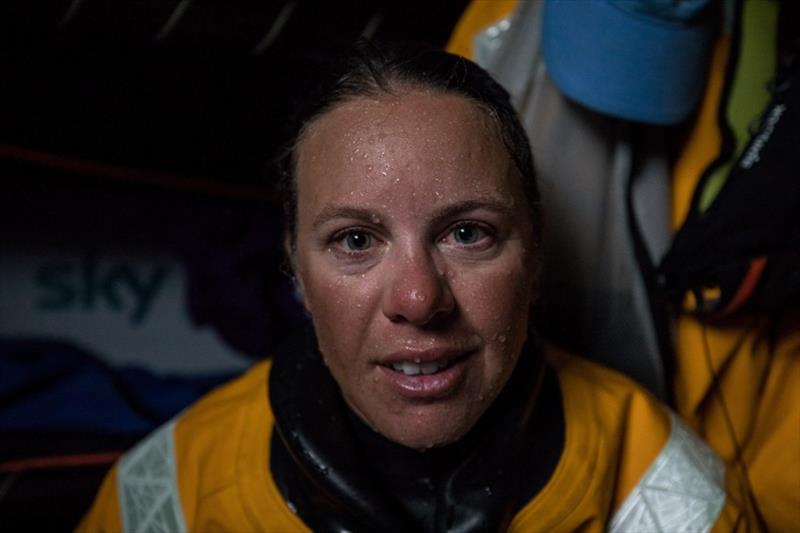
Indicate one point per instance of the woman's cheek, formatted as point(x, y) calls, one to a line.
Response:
point(338, 304)
point(500, 289)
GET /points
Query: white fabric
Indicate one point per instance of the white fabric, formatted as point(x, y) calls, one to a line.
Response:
point(147, 485)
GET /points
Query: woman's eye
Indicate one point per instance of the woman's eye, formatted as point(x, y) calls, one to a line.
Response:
point(467, 234)
point(357, 241)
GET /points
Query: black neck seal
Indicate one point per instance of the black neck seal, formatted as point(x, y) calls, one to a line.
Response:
point(339, 475)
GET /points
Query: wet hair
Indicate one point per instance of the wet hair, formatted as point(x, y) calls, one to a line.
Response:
point(371, 70)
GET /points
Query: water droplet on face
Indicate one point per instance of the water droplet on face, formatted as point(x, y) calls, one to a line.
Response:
point(375, 219)
point(370, 168)
point(416, 296)
point(502, 339)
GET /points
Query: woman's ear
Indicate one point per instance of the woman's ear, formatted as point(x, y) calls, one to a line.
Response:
point(290, 251)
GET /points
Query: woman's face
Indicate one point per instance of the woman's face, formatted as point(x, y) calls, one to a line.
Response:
point(415, 256)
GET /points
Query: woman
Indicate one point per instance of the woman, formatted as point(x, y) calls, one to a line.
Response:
point(420, 401)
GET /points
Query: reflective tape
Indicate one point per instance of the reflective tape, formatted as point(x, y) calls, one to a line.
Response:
point(683, 490)
point(147, 485)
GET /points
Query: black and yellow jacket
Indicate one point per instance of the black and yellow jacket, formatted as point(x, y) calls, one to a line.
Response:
point(568, 446)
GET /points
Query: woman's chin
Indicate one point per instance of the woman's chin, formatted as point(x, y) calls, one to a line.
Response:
point(425, 427)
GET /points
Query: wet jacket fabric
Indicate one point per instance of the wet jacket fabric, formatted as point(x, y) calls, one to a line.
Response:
point(737, 379)
point(625, 463)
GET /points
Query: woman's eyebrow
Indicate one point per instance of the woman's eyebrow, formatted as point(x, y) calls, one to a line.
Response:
point(333, 212)
point(446, 212)
point(453, 210)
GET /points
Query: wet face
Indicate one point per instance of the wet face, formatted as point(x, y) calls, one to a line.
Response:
point(414, 252)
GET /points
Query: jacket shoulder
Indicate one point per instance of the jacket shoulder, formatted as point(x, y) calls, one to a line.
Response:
point(205, 469)
point(648, 470)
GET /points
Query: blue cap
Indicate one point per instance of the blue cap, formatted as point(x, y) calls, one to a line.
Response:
point(642, 60)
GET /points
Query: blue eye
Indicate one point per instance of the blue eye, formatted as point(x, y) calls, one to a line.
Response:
point(358, 241)
point(467, 234)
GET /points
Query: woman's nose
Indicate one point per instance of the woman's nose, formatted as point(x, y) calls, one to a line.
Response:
point(418, 292)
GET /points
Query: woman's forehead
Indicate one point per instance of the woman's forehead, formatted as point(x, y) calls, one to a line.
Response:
point(412, 155)
point(411, 112)
point(442, 132)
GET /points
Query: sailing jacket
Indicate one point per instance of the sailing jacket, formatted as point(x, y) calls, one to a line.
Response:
point(568, 446)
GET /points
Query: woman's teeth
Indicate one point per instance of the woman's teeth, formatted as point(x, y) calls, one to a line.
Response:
point(410, 368)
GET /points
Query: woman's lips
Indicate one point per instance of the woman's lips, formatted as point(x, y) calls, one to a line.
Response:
point(425, 375)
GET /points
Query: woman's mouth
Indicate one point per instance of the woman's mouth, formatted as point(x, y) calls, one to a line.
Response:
point(426, 375)
point(415, 368)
